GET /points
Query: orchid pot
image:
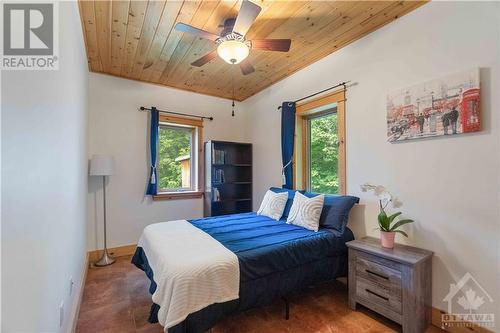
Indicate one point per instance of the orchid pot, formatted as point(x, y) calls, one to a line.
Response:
point(387, 239)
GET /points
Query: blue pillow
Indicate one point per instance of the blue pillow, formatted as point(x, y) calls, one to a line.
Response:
point(289, 202)
point(336, 210)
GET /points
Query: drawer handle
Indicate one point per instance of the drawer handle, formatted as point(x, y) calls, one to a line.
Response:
point(379, 296)
point(377, 274)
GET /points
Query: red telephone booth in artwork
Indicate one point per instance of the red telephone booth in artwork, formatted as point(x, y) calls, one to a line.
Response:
point(469, 110)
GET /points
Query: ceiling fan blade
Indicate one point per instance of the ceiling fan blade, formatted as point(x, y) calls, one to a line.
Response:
point(205, 59)
point(281, 45)
point(246, 67)
point(247, 15)
point(195, 31)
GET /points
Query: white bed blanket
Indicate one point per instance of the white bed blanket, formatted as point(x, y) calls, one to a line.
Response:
point(191, 269)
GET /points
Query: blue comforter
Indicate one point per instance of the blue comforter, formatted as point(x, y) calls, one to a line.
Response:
point(265, 246)
point(275, 260)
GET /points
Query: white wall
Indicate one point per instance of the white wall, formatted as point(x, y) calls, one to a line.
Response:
point(450, 186)
point(44, 185)
point(116, 127)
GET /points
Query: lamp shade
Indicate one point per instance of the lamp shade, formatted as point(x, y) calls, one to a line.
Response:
point(102, 165)
point(233, 51)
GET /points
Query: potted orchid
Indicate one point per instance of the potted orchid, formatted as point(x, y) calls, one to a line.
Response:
point(388, 225)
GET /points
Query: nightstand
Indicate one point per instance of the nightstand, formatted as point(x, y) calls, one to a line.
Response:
point(396, 283)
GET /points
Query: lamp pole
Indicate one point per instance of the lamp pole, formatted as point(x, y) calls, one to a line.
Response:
point(106, 259)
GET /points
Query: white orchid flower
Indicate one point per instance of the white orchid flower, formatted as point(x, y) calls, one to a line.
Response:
point(367, 187)
point(383, 194)
point(385, 197)
point(380, 191)
point(396, 203)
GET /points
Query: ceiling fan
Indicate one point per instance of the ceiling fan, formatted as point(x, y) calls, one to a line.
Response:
point(233, 47)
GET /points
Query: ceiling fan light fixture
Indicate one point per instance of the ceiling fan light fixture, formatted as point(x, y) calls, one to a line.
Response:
point(233, 51)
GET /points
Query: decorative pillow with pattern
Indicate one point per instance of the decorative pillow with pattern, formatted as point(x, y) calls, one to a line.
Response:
point(305, 212)
point(273, 205)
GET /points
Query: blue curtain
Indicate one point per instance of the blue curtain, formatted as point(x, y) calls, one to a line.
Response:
point(153, 144)
point(287, 138)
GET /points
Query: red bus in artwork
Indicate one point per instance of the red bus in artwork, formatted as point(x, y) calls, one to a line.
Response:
point(469, 110)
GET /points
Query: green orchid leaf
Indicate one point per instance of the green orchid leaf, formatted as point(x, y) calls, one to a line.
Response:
point(380, 221)
point(383, 221)
point(401, 232)
point(393, 216)
point(382, 215)
point(401, 223)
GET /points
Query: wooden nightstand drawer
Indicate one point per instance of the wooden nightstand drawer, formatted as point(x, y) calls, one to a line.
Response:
point(379, 294)
point(389, 277)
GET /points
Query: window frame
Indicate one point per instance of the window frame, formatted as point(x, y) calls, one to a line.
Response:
point(312, 109)
point(196, 151)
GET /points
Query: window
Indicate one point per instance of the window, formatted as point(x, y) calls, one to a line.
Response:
point(175, 158)
point(179, 158)
point(322, 158)
point(319, 156)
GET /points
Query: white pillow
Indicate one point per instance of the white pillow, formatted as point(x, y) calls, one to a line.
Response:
point(273, 204)
point(305, 212)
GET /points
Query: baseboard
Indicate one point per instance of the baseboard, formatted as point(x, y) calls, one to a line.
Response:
point(437, 321)
point(119, 251)
point(83, 278)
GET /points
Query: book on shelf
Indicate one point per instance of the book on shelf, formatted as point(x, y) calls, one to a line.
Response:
point(219, 156)
point(216, 194)
point(219, 176)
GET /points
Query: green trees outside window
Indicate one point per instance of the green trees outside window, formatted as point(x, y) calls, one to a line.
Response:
point(174, 145)
point(323, 154)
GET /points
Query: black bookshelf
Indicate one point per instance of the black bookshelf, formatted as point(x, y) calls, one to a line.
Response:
point(228, 178)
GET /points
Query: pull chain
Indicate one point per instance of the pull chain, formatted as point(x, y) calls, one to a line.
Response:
point(232, 79)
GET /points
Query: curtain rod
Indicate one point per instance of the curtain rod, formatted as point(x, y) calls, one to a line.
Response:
point(142, 108)
point(320, 92)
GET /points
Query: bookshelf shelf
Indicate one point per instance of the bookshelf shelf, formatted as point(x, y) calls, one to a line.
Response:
point(229, 200)
point(234, 165)
point(231, 183)
point(228, 178)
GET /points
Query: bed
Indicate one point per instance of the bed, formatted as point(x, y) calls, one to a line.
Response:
point(275, 259)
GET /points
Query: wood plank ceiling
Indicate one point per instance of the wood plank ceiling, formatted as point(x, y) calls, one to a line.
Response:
point(136, 39)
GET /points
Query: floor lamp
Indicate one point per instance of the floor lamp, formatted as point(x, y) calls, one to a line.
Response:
point(103, 165)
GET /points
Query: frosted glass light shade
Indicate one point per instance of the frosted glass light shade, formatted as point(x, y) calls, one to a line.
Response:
point(102, 165)
point(233, 51)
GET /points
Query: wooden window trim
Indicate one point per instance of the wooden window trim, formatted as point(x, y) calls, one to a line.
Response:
point(177, 195)
point(198, 193)
point(164, 118)
point(302, 112)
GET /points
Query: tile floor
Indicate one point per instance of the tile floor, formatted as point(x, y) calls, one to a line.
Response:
point(116, 299)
